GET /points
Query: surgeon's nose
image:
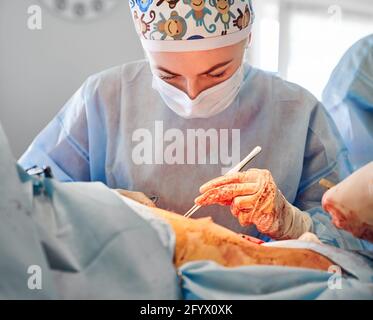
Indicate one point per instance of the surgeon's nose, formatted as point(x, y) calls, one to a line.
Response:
point(193, 88)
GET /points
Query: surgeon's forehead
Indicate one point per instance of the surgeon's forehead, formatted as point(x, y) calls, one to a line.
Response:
point(195, 61)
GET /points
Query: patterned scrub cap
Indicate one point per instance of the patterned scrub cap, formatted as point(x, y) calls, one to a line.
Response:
point(191, 25)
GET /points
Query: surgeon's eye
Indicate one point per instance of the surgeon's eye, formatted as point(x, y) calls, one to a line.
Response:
point(218, 75)
point(167, 77)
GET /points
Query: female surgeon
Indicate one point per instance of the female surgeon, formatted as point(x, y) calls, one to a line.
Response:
point(195, 80)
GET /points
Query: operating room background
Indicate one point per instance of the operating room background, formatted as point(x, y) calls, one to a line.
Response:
point(302, 40)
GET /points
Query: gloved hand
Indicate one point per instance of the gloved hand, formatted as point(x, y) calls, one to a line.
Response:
point(255, 199)
point(350, 203)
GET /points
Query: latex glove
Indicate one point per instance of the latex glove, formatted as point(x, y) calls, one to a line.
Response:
point(310, 237)
point(137, 196)
point(350, 203)
point(255, 199)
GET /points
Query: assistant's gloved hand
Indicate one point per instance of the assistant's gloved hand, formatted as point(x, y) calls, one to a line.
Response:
point(255, 199)
point(350, 203)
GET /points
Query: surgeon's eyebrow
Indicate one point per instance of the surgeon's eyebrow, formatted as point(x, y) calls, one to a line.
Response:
point(168, 71)
point(213, 68)
point(217, 66)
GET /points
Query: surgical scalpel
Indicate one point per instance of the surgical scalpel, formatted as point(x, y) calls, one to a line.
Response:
point(237, 168)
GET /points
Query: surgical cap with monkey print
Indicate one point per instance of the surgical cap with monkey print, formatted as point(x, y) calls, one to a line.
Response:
point(191, 25)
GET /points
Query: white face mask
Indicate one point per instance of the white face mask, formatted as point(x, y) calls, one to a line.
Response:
point(207, 104)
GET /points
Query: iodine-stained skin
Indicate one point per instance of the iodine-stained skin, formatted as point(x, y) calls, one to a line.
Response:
point(202, 239)
point(350, 203)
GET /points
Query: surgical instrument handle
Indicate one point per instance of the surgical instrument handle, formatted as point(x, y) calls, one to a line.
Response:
point(237, 168)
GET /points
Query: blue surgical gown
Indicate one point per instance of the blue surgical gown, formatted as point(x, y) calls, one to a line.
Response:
point(348, 97)
point(90, 243)
point(85, 241)
point(95, 135)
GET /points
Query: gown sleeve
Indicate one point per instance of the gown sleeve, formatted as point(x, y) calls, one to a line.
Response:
point(325, 157)
point(63, 144)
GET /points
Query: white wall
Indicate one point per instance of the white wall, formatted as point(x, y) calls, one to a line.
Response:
point(303, 40)
point(40, 70)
